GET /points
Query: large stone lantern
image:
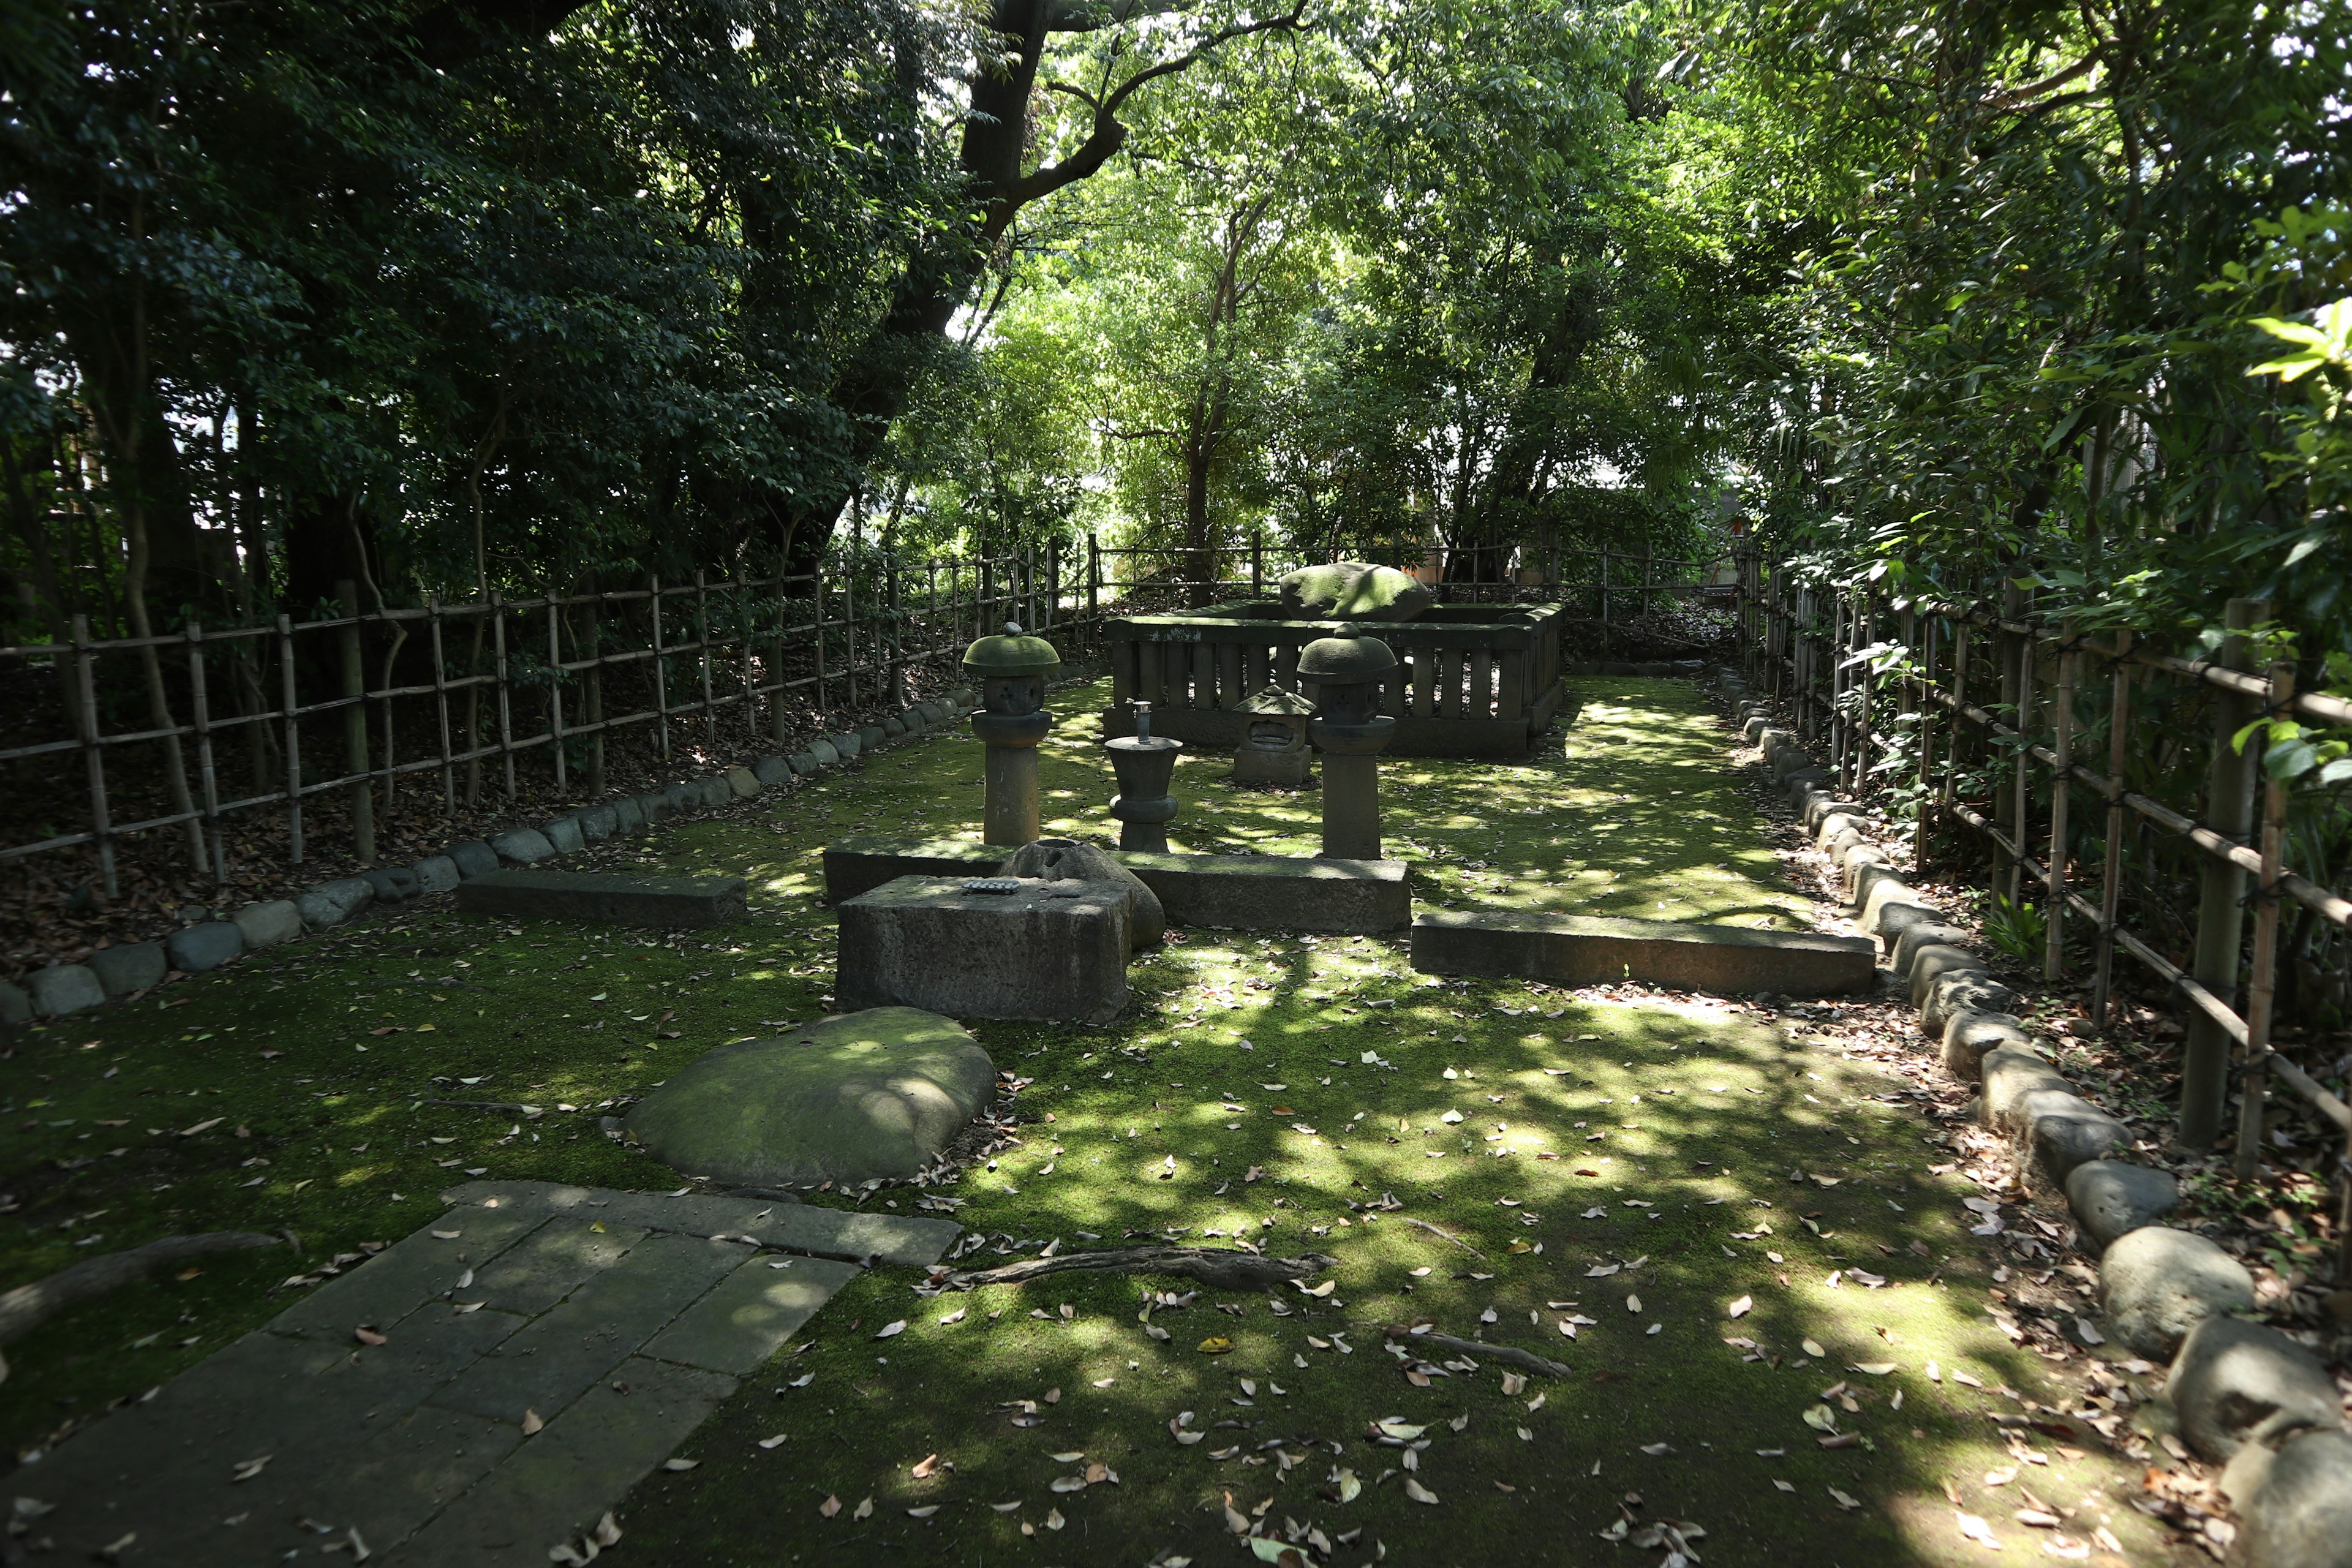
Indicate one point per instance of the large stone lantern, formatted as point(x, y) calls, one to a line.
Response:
point(1349, 730)
point(1146, 766)
point(1011, 719)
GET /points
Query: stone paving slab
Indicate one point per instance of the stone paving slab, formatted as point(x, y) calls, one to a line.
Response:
point(854, 1237)
point(670, 902)
point(1588, 950)
point(621, 1340)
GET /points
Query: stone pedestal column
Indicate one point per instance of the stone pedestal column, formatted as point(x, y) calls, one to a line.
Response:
point(1010, 814)
point(1350, 730)
point(1146, 766)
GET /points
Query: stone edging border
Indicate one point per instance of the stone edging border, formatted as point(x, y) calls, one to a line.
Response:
point(129, 970)
point(2245, 1395)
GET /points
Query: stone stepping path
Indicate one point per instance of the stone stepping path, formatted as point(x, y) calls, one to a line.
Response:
point(388, 1408)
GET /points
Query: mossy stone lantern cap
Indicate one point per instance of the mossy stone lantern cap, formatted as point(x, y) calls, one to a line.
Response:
point(1011, 720)
point(1350, 730)
point(1347, 671)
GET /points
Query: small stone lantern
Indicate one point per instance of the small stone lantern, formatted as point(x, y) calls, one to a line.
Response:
point(1146, 766)
point(1349, 728)
point(1011, 719)
point(1273, 738)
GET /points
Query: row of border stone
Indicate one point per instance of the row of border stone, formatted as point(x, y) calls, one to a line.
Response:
point(130, 970)
point(2244, 1394)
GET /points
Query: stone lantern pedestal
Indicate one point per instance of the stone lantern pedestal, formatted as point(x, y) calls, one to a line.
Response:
point(1146, 766)
point(1349, 730)
point(1274, 744)
point(1011, 668)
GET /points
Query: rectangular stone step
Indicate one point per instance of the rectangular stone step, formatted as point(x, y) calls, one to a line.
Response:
point(861, 863)
point(670, 902)
point(1588, 950)
point(794, 1227)
point(1277, 892)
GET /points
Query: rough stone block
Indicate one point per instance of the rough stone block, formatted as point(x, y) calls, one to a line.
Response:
point(1865, 878)
point(598, 823)
point(2159, 1283)
point(1883, 891)
point(437, 874)
point(268, 924)
point(2011, 1074)
point(825, 752)
point(63, 988)
point(681, 796)
point(628, 814)
point(395, 884)
point(565, 833)
point(1894, 917)
point(16, 1005)
point(2111, 1199)
point(1838, 821)
point(1966, 990)
point(772, 770)
point(1804, 780)
point(473, 859)
point(751, 1314)
point(713, 789)
point(859, 864)
point(804, 764)
point(893, 727)
point(1277, 892)
point(2235, 1383)
point(2294, 1511)
point(2061, 1130)
point(523, 845)
point(330, 904)
point(868, 1096)
point(674, 902)
point(847, 744)
point(871, 737)
point(1908, 945)
point(1840, 841)
point(206, 945)
point(1585, 950)
point(130, 966)
point(1968, 1035)
point(1820, 807)
point(1932, 961)
point(850, 1235)
point(1050, 950)
point(742, 783)
point(1069, 860)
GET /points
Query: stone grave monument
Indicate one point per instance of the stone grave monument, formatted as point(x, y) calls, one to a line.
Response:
point(988, 947)
point(1011, 668)
point(1274, 741)
point(1349, 730)
point(1146, 766)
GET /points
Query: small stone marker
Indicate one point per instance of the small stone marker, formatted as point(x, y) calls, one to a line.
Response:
point(1049, 949)
point(1587, 950)
point(861, 1096)
point(674, 902)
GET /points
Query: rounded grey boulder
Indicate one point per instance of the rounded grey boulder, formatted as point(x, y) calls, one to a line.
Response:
point(565, 833)
point(397, 884)
point(1069, 860)
point(2299, 1513)
point(268, 924)
point(1908, 945)
point(1965, 990)
point(2234, 1382)
point(63, 988)
point(870, 1096)
point(1932, 960)
point(330, 904)
point(825, 752)
point(847, 746)
point(893, 727)
point(132, 966)
point(598, 823)
point(772, 770)
point(2160, 1283)
point(628, 814)
point(712, 789)
point(473, 858)
point(872, 736)
point(1968, 1035)
point(2111, 1199)
point(206, 945)
point(804, 764)
point(437, 874)
point(524, 845)
point(16, 1007)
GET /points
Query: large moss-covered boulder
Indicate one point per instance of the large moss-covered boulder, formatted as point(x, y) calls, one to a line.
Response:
point(1352, 590)
point(1069, 860)
point(859, 1096)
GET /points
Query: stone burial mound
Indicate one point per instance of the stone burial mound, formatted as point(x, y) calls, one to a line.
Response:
point(1352, 590)
point(859, 1096)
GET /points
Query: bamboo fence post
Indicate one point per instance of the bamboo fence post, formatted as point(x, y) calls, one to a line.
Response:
point(1920, 632)
point(555, 688)
point(2220, 906)
point(896, 637)
point(355, 735)
point(817, 628)
point(85, 685)
point(849, 632)
point(200, 714)
point(702, 657)
point(441, 706)
point(293, 738)
point(1605, 601)
point(1963, 638)
point(2111, 876)
point(592, 680)
point(661, 665)
point(2062, 746)
point(506, 704)
point(2261, 978)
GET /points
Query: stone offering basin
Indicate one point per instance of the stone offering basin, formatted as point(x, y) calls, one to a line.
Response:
point(1471, 680)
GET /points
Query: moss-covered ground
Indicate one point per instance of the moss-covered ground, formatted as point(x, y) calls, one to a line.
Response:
point(1718, 1225)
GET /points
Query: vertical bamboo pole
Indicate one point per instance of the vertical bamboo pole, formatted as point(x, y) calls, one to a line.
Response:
point(1963, 638)
point(441, 705)
point(849, 632)
point(1093, 578)
point(2220, 906)
point(593, 679)
point(2111, 876)
point(93, 756)
point(816, 597)
point(2062, 746)
point(200, 715)
point(555, 688)
point(1920, 633)
point(355, 727)
point(702, 657)
point(2262, 979)
point(506, 693)
point(293, 738)
point(1605, 601)
point(661, 665)
point(2008, 661)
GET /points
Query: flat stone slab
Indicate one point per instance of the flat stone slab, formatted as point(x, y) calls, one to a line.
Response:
point(870, 1096)
point(1585, 950)
point(1277, 892)
point(1042, 951)
point(619, 1321)
point(672, 903)
point(861, 863)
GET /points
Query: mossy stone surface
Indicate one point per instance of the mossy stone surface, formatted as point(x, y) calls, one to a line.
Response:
point(1352, 590)
point(855, 1098)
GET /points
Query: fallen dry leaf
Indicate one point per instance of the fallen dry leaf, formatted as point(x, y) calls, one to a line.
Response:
point(1419, 1493)
point(829, 1507)
point(1741, 1308)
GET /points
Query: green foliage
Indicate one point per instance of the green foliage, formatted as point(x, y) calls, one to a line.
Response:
point(2019, 929)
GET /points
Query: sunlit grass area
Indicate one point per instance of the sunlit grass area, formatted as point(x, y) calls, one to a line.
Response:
point(1597, 1177)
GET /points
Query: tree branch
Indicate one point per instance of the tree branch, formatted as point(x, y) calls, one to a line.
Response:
point(2017, 98)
